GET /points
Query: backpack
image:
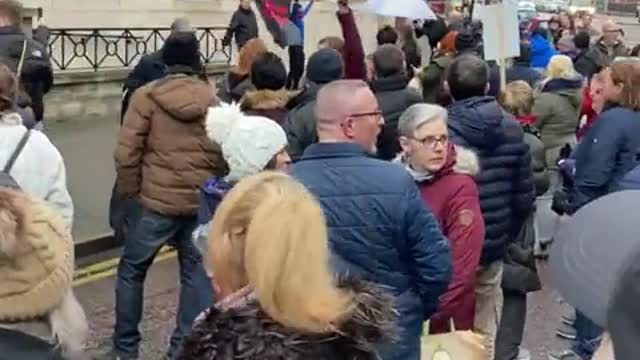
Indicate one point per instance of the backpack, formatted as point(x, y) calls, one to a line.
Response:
point(6, 180)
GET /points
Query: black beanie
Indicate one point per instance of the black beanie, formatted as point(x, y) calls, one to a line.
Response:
point(464, 41)
point(325, 66)
point(582, 40)
point(181, 48)
point(268, 72)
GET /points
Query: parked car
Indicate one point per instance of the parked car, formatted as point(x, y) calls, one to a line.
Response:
point(582, 6)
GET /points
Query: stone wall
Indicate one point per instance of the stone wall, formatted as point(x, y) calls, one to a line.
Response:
point(87, 95)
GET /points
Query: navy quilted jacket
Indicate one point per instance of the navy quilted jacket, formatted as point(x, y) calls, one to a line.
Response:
point(380, 230)
point(505, 181)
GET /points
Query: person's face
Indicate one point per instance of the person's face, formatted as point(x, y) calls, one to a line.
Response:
point(610, 90)
point(282, 161)
point(596, 92)
point(427, 148)
point(553, 25)
point(364, 125)
point(611, 34)
point(246, 4)
point(564, 20)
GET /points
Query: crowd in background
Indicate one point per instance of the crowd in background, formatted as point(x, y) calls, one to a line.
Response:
point(308, 226)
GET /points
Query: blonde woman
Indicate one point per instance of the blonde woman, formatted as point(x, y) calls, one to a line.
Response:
point(268, 247)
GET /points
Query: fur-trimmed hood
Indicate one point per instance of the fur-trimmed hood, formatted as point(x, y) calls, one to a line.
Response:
point(266, 99)
point(459, 160)
point(248, 333)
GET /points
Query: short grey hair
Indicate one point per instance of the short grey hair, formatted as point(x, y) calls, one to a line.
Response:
point(417, 115)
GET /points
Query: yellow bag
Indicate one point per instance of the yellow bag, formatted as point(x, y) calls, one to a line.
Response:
point(455, 345)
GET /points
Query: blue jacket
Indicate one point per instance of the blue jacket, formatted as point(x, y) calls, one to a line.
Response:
point(541, 51)
point(297, 15)
point(505, 181)
point(380, 230)
point(631, 181)
point(605, 155)
point(524, 73)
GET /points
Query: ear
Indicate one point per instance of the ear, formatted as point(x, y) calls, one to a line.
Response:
point(487, 88)
point(405, 144)
point(348, 127)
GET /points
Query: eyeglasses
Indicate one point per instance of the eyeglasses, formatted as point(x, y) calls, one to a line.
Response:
point(377, 114)
point(433, 141)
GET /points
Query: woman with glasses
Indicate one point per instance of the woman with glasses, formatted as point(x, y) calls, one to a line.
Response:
point(444, 174)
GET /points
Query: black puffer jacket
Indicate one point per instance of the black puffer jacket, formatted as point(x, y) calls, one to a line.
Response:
point(248, 333)
point(393, 98)
point(505, 180)
point(243, 25)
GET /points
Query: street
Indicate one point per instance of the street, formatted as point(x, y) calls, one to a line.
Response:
point(88, 147)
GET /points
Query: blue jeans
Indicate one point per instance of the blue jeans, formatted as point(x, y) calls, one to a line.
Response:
point(588, 336)
point(151, 233)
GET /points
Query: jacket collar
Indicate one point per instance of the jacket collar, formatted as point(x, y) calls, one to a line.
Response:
point(333, 150)
point(389, 83)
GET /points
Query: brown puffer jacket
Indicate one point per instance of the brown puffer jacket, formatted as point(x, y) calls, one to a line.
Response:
point(163, 152)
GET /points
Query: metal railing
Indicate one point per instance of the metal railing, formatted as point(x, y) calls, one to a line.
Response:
point(109, 48)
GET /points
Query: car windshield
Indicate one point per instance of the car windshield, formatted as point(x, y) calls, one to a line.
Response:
point(581, 2)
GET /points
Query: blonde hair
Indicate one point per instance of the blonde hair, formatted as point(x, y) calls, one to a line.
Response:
point(517, 98)
point(560, 66)
point(270, 233)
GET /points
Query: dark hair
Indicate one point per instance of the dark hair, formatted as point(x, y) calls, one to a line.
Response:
point(386, 35)
point(388, 60)
point(636, 50)
point(582, 40)
point(11, 9)
point(268, 72)
point(182, 48)
point(467, 76)
point(7, 88)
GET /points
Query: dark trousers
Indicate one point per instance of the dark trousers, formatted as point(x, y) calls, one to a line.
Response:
point(153, 231)
point(511, 330)
point(296, 66)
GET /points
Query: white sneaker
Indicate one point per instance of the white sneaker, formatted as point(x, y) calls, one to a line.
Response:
point(523, 354)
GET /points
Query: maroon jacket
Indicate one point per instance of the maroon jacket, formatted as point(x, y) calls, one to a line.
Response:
point(453, 197)
point(353, 53)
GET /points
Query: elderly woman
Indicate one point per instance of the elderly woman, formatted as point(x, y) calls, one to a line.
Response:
point(269, 250)
point(444, 175)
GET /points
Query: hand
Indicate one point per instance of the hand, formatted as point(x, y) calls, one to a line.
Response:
point(343, 7)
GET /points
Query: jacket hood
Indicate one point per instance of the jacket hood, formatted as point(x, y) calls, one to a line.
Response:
point(570, 88)
point(459, 160)
point(389, 83)
point(186, 98)
point(266, 99)
point(248, 333)
point(478, 120)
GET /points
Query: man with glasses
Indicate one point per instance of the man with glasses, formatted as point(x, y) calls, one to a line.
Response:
point(609, 46)
point(379, 228)
point(505, 180)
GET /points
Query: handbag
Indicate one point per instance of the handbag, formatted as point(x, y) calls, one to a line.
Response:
point(454, 345)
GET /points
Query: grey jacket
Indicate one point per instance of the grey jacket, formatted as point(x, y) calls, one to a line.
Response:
point(300, 124)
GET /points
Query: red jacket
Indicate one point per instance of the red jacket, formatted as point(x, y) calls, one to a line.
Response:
point(353, 53)
point(453, 197)
point(588, 111)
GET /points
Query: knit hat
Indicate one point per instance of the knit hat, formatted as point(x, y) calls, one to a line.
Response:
point(36, 257)
point(465, 41)
point(325, 66)
point(181, 48)
point(248, 142)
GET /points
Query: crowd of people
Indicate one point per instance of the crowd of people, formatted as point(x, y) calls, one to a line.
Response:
point(309, 226)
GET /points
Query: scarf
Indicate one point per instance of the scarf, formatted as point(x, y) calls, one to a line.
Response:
point(417, 175)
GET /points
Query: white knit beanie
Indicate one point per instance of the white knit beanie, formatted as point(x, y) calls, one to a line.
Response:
point(248, 142)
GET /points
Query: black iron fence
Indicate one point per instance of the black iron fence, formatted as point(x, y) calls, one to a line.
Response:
point(108, 48)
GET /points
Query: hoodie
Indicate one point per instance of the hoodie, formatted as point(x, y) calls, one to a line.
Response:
point(505, 180)
point(452, 195)
point(166, 163)
point(244, 331)
point(557, 107)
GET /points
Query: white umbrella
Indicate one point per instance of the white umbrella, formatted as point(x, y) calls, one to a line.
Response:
point(410, 9)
